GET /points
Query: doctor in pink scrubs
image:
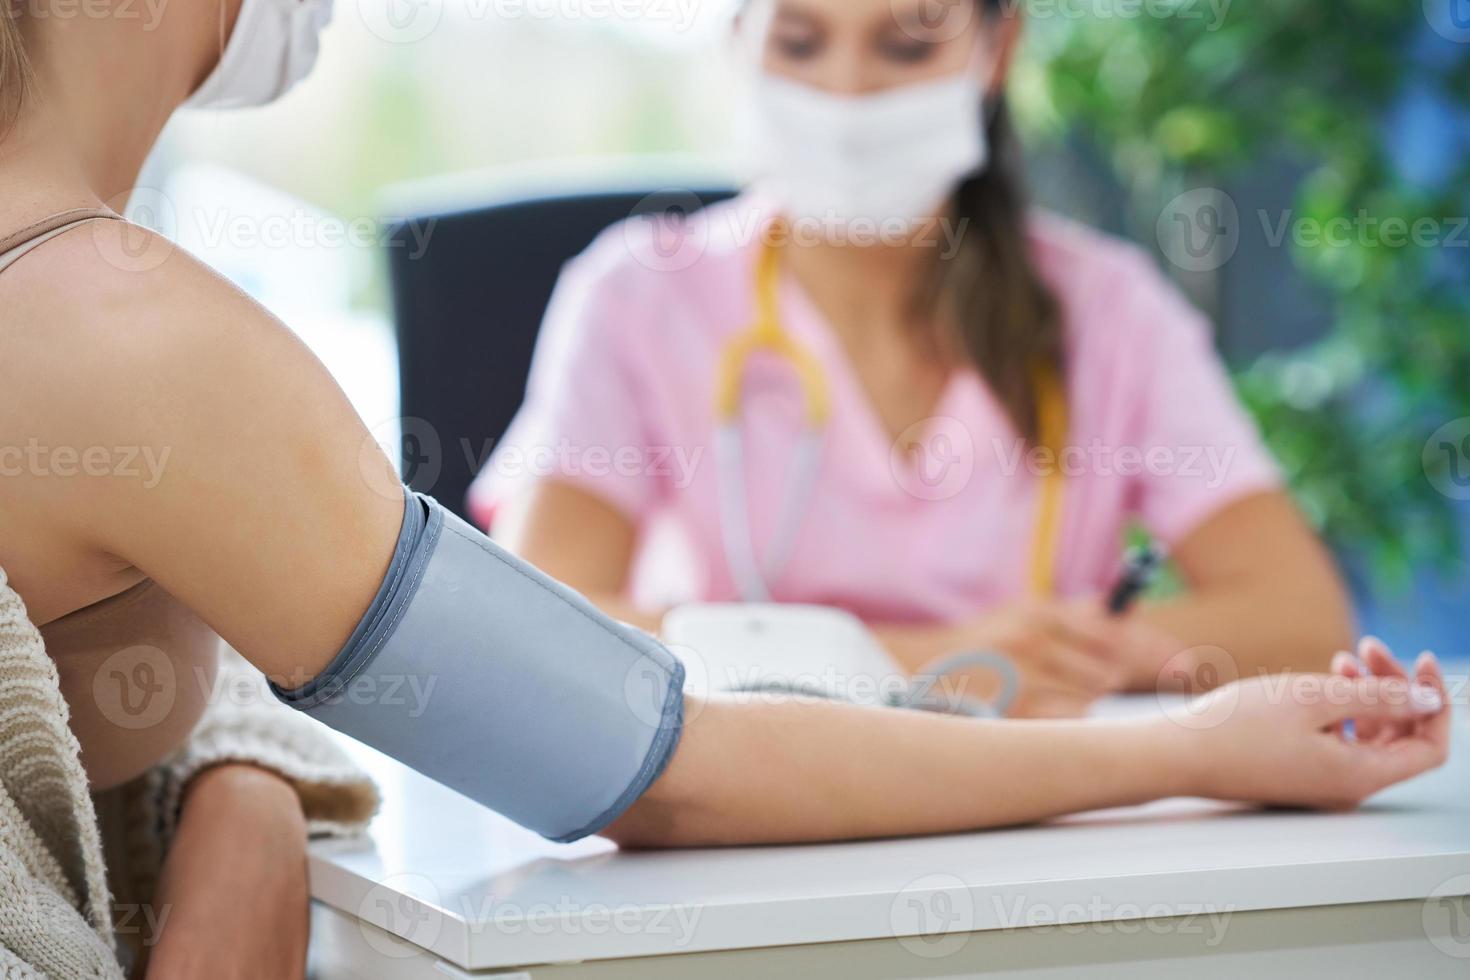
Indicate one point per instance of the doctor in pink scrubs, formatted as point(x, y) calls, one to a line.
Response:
point(938, 409)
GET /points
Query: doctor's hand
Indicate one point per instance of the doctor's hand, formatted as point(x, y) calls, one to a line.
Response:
point(1282, 739)
point(1067, 654)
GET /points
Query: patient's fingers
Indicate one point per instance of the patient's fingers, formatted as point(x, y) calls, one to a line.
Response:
point(1393, 759)
point(1389, 699)
point(1375, 655)
point(1344, 664)
point(1376, 658)
point(1437, 729)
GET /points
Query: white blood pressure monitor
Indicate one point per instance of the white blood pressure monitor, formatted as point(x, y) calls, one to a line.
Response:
point(755, 649)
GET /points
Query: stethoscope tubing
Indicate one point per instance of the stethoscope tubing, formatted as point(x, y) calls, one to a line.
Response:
point(753, 576)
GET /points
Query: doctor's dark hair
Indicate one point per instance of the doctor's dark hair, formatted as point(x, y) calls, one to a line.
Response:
point(1008, 322)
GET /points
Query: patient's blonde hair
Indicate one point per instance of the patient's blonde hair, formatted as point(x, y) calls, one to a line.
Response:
point(15, 70)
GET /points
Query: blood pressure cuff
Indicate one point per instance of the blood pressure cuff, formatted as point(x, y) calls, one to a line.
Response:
point(482, 673)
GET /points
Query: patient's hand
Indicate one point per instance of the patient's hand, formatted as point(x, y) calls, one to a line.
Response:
point(1280, 739)
point(1375, 660)
point(234, 885)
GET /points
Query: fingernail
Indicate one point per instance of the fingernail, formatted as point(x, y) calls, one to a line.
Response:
point(1343, 660)
point(1425, 698)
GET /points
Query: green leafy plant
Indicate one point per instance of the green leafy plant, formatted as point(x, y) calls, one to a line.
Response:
point(1175, 99)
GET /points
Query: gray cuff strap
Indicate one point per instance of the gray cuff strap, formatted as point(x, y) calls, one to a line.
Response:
point(477, 670)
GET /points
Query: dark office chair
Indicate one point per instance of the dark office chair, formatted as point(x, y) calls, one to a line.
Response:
point(468, 306)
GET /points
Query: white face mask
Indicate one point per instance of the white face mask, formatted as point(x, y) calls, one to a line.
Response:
point(273, 46)
point(892, 155)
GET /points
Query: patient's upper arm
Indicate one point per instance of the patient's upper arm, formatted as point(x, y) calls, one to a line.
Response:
point(269, 510)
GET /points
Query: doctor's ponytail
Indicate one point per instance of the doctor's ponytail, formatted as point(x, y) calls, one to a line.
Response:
point(1008, 322)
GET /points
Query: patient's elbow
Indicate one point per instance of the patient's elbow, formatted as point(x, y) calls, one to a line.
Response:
point(685, 806)
point(648, 824)
point(674, 812)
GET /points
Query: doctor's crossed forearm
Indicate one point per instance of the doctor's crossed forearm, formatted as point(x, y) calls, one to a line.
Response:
point(1255, 604)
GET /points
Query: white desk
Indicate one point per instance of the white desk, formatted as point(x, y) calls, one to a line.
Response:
point(447, 888)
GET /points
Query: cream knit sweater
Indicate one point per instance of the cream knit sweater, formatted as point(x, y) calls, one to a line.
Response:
point(56, 911)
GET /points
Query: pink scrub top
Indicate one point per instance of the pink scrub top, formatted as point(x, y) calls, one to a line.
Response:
point(935, 528)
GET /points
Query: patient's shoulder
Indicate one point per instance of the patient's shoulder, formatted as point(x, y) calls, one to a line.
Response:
point(120, 288)
point(109, 321)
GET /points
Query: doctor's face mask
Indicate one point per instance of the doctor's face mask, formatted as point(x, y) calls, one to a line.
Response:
point(866, 110)
point(273, 46)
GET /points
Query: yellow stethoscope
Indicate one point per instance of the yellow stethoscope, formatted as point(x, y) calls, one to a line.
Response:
point(753, 576)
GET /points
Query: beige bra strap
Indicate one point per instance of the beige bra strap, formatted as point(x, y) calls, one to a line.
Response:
point(12, 247)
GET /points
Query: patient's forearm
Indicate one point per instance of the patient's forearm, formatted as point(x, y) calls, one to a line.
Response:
point(773, 773)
